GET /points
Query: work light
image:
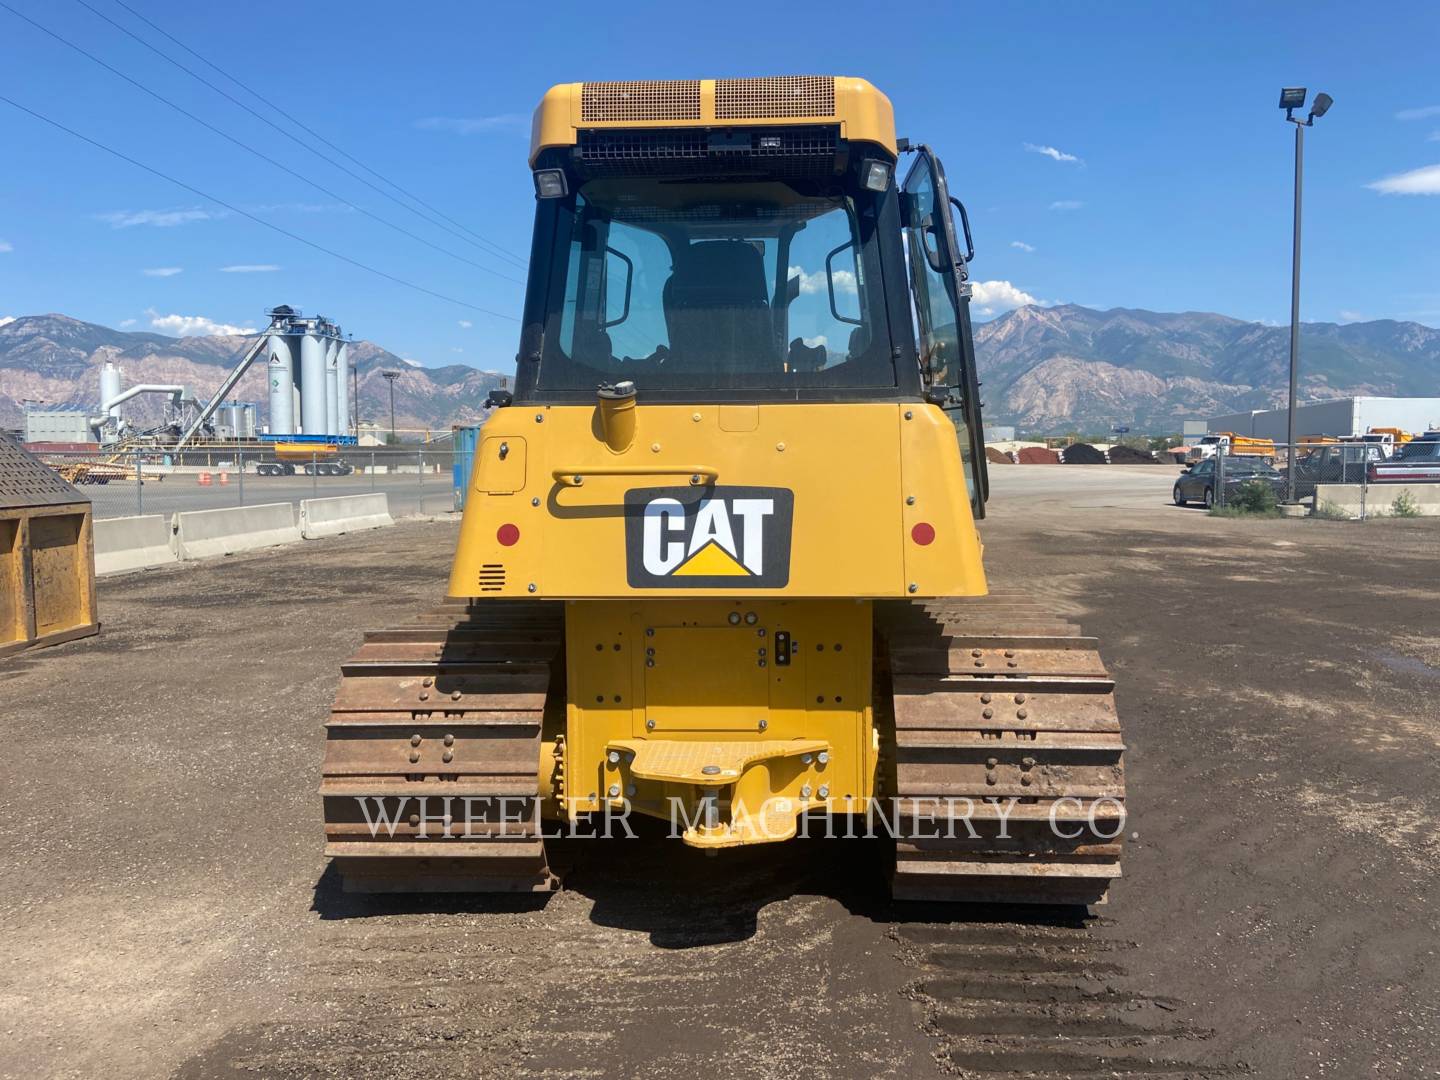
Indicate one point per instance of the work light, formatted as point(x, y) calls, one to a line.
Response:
point(550, 184)
point(874, 175)
point(1293, 97)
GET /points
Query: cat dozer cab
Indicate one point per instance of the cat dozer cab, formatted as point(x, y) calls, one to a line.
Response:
point(719, 562)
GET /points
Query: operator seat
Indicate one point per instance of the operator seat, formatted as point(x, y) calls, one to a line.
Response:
point(717, 310)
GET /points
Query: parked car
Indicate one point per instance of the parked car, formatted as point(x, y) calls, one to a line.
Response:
point(1417, 461)
point(1335, 463)
point(1199, 482)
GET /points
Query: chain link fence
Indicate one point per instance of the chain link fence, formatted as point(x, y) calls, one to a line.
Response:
point(1338, 480)
point(156, 480)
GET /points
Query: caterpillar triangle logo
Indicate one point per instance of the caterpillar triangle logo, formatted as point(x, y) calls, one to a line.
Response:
point(708, 538)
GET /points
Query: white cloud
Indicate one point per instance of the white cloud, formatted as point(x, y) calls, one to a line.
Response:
point(1066, 204)
point(992, 296)
point(472, 125)
point(6, 320)
point(1051, 152)
point(124, 219)
point(818, 339)
point(1422, 181)
point(193, 325)
point(163, 271)
point(5, 245)
point(465, 324)
point(1351, 316)
point(1422, 113)
point(126, 322)
point(1022, 245)
point(412, 363)
point(250, 268)
point(815, 283)
point(456, 349)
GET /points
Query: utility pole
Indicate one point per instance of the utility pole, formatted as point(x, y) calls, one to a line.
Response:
point(1292, 98)
point(390, 377)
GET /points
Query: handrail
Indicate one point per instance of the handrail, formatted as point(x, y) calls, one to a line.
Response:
point(575, 475)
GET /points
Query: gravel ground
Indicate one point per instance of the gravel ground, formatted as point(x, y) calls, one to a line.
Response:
point(164, 909)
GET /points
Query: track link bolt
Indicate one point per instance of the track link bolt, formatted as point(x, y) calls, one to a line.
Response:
point(990, 763)
point(975, 652)
point(985, 699)
point(987, 713)
point(414, 756)
point(990, 779)
point(449, 739)
point(1028, 762)
point(1021, 714)
point(823, 757)
point(1019, 699)
point(454, 695)
point(424, 695)
point(448, 756)
point(427, 681)
point(415, 739)
point(1025, 779)
point(1009, 652)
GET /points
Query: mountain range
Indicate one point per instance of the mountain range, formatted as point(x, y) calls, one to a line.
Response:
point(1063, 368)
point(56, 360)
point(1047, 370)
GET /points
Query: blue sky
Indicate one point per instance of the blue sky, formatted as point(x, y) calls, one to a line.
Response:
point(1177, 197)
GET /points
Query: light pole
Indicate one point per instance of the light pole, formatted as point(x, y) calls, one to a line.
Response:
point(390, 377)
point(1292, 98)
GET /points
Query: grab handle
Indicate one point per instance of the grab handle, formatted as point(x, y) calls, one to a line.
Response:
point(575, 476)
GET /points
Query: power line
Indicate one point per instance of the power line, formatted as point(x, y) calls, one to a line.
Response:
point(246, 214)
point(303, 127)
point(484, 244)
point(251, 150)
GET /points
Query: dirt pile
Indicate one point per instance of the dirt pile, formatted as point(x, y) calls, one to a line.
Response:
point(998, 457)
point(1125, 455)
point(1037, 455)
point(1082, 454)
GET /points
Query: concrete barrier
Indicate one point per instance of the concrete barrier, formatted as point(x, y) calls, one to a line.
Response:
point(132, 543)
point(343, 514)
point(1376, 500)
point(200, 534)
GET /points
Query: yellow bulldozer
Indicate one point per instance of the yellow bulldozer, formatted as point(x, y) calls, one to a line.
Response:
point(719, 564)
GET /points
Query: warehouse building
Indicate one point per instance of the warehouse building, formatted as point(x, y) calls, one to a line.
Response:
point(1346, 416)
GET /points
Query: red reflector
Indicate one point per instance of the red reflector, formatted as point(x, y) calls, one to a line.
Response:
point(507, 534)
point(923, 533)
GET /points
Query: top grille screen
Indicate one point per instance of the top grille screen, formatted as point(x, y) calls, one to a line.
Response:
point(608, 102)
point(785, 95)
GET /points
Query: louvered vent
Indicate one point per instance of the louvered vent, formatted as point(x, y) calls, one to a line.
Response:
point(492, 577)
point(783, 95)
point(610, 102)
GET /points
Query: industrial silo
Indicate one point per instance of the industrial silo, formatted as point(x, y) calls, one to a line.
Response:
point(346, 404)
point(332, 385)
point(313, 411)
point(282, 385)
point(110, 387)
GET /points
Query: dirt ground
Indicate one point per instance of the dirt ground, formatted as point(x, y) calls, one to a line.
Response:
point(164, 908)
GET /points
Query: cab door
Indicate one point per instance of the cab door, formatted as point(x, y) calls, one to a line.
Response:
point(940, 289)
